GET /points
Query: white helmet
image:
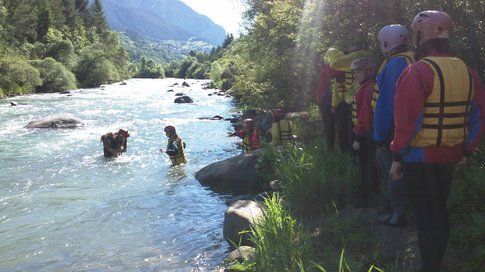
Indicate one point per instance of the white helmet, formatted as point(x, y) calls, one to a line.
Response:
point(392, 36)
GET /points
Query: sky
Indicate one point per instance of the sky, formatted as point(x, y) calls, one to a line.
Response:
point(226, 13)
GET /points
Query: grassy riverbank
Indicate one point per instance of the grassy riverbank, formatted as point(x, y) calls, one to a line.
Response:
point(311, 226)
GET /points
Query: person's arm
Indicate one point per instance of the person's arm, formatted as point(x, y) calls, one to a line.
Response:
point(384, 108)
point(413, 87)
point(275, 134)
point(364, 113)
point(323, 84)
point(254, 140)
point(475, 117)
point(343, 62)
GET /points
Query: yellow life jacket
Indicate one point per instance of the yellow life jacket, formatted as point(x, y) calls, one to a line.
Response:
point(409, 56)
point(447, 108)
point(179, 158)
point(284, 133)
point(354, 106)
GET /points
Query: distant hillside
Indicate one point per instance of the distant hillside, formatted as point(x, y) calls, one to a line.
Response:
point(161, 20)
point(161, 51)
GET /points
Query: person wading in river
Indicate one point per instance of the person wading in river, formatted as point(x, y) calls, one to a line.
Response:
point(249, 134)
point(175, 146)
point(114, 144)
point(437, 124)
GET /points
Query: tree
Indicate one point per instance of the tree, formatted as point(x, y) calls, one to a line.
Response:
point(43, 22)
point(82, 8)
point(69, 11)
point(55, 76)
point(97, 17)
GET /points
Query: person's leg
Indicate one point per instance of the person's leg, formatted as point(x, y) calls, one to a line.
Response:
point(328, 125)
point(341, 123)
point(429, 186)
point(361, 197)
point(440, 213)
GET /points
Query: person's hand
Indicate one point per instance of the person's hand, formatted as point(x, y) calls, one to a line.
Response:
point(463, 162)
point(396, 170)
point(356, 146)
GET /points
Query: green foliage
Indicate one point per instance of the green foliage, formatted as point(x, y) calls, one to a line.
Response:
point(55, 76)
point(280, 242)
point(467, 215)
point(149, 69)
point(17, 76)
point(57, 29)
point(312, 178)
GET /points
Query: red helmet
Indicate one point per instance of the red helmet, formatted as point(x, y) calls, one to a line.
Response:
point(431, 24)
point(169, 129)
point(123, 133)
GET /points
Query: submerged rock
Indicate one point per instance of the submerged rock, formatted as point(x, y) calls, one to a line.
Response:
point(57, 121)
point(236, 175)
point(123, 83)
point(238, 218)
point(180, 94)
point(183, 99)
point(13, 104)
point(65, 92)
point(170, 91)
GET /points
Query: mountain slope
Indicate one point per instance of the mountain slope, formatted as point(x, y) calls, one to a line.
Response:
point(161, 20)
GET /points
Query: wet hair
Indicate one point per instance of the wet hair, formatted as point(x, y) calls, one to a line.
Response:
point(440, 45)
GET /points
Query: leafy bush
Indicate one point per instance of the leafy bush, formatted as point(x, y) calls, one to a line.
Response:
point(18, 76)
point(97, 67)
point(312, 177)
point(55, 76)
point(63, 51)
point(149, 69)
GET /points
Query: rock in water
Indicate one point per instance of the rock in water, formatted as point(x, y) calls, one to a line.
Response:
point(13, 104)
point(235, 175)
point(238, 218)
point(180, 94)
point(56, 121)
point(185, 84)
point(183, 99)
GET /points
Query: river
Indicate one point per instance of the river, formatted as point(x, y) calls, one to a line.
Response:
point(64, 207)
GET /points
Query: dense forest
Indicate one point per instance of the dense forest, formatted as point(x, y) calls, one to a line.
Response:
point(55, 45)
point(278, 58)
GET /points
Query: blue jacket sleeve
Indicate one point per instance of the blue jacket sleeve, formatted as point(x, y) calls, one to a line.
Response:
point(384, 109)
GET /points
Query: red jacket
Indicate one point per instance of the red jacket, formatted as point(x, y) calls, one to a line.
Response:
point(323, 90)
point(413, 88)
point(254, 141)
point(365, 114)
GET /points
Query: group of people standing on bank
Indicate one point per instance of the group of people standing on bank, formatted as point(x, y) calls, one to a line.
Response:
point(415, 120)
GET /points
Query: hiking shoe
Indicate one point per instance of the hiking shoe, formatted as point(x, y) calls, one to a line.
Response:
point(396, 222)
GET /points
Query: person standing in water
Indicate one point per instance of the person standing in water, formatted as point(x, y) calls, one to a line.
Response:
point(175, 146)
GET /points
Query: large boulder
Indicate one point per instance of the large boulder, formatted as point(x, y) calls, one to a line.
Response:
point(237, 175)
point(183, 99)
point(57, 121)
point(238, 219)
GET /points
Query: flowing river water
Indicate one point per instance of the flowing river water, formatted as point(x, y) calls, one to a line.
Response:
point(64, 207)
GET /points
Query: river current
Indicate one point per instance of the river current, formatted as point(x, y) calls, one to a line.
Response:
point(64, 207)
